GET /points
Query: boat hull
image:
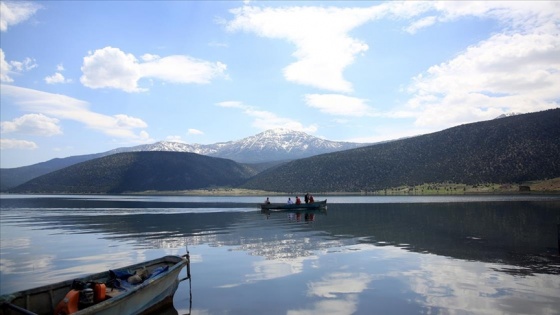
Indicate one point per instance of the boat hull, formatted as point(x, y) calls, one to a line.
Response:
point(317, 205)
point(136, 300)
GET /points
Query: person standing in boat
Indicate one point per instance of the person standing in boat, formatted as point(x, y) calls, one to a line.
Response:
point(267, 201)
point(290, 202)
point(306, 198)
point(298, 201)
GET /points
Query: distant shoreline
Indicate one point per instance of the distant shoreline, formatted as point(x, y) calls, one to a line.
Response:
point(543, 187)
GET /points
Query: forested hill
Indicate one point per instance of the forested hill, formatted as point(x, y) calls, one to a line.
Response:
point(505, 150)
point(141, 171)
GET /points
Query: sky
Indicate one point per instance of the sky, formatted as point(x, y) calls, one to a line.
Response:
point(83, 77)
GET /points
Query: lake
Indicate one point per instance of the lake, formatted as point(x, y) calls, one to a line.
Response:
point(364, 255)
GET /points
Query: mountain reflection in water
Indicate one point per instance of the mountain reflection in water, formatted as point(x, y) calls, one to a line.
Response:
point(517, 238)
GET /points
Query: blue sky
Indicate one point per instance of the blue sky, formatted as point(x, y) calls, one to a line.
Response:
point(86, 77)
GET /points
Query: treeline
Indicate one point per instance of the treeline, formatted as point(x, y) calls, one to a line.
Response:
point(141, 171)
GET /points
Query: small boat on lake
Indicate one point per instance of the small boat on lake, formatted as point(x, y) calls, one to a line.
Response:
point(317, 205)
point(104, 293)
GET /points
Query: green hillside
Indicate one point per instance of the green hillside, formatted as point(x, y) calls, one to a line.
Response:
point(140, 171)
point(506, 150)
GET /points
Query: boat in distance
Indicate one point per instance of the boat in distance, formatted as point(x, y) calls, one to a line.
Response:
point(317, 205)
point(103, 294)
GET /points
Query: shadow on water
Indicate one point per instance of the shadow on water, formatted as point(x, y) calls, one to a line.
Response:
point(520, 234)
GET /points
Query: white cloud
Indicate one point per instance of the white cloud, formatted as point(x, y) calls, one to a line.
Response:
point(15, 12)
point(25, 65)
point(14, 67)
point(182, 69)
point(150, 57)
point(323, 47)
point(5, 68)
point(264, 120)
point(505, 73)
point(129, 122)
point(513, 70)
point(112, 68)
point(17, 144)
point(65, 107)
point(339, 105)
point(424, 22)
point(57, 78)
point(34, 124)
point(194, 132)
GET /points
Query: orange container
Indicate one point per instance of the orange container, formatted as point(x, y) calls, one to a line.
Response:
point(99, 292)
point(69, 304)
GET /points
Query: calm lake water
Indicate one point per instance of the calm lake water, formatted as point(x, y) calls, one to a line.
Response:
point(364, 255)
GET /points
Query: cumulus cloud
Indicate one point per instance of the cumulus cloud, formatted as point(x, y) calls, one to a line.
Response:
point(67, 108)
point(6, 144)
point(511, 71)
point(339, 105)
point(515, 69)
point(264, 120)
point(110, 67)
point(33, 124)
point(323, 47)
point(15, 12)
point(57, 78)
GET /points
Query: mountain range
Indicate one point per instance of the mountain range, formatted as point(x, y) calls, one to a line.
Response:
point(268, 146)
point(511, 149)
point(507, 150)
point(264, 150)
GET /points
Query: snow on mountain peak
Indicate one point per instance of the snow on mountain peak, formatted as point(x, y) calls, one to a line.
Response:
point(270, 145)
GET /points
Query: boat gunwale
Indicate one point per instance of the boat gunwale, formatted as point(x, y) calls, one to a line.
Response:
point(176, 261)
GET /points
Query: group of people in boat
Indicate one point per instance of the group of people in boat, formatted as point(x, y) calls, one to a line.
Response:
point(308, 198)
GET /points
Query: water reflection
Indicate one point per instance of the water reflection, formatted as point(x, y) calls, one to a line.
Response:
point(475, 257)
point(522, 234)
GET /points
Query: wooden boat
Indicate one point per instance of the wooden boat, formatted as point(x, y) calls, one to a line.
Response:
point(317, 205)
point(153, 292)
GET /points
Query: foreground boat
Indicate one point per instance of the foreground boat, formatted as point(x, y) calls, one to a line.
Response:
point(124, 298)
point(317, 205)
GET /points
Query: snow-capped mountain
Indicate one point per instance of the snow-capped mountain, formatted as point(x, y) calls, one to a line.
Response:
point(270, 145)
point(168, 146)
point(279, 144)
